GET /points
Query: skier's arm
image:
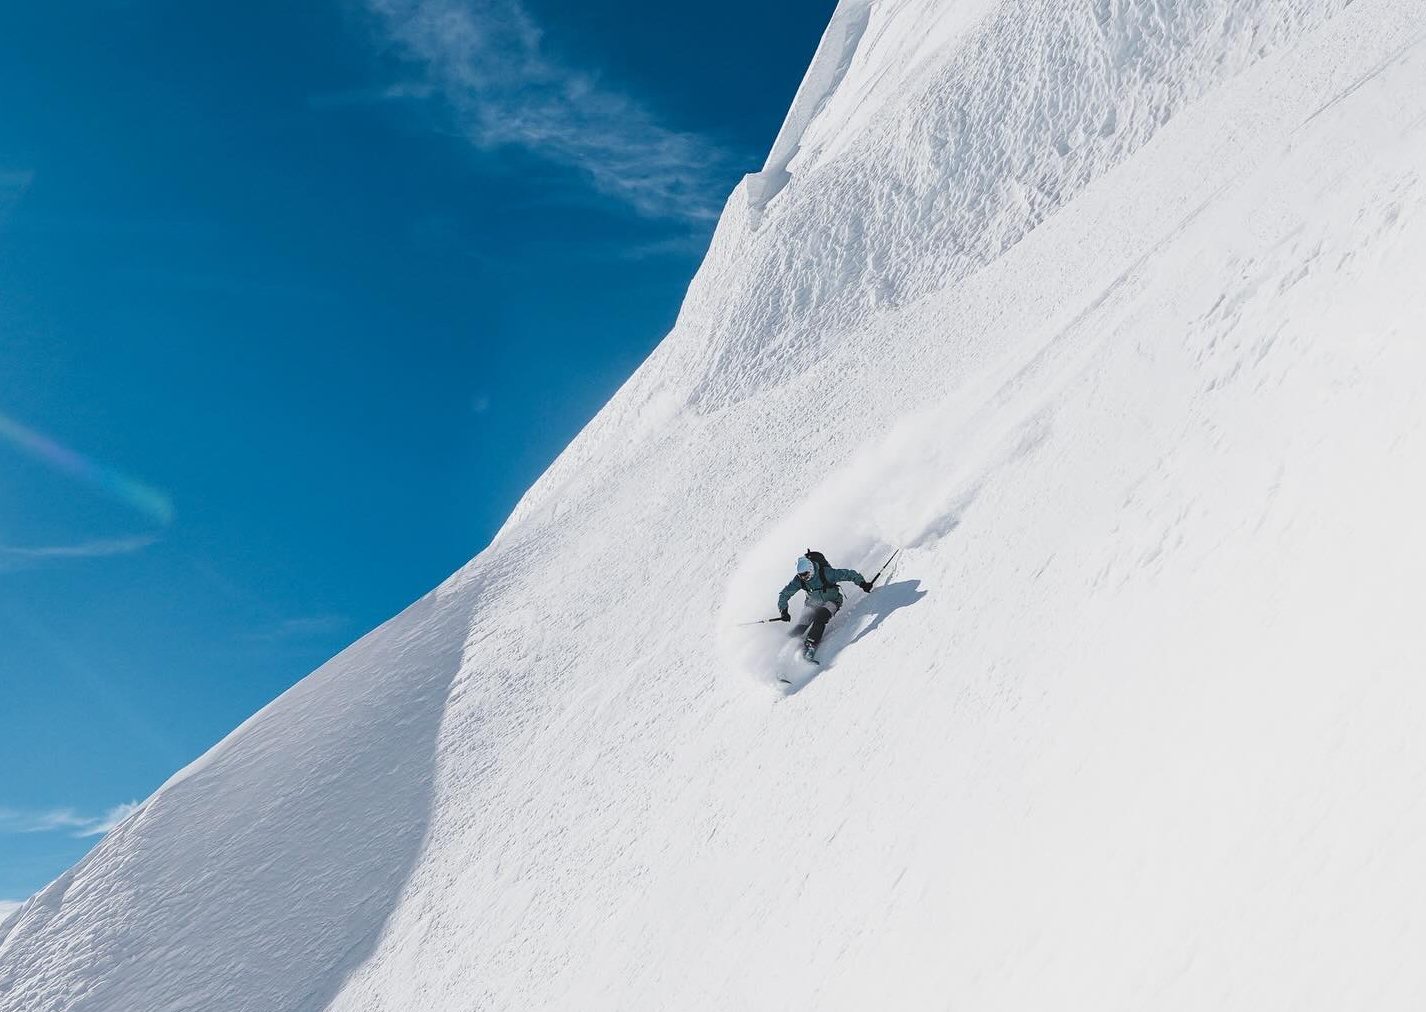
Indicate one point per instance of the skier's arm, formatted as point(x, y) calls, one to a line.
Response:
point(782, 599)
point(849, 576)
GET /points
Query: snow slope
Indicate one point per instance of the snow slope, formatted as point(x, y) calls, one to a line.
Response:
point(1113, 317)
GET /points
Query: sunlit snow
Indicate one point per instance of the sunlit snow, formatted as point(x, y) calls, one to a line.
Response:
point(1112, 317)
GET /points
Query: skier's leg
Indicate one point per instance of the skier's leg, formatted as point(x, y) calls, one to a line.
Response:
point(820, 617)
point(804, 621)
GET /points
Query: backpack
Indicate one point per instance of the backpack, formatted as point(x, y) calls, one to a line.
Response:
point(820, 561)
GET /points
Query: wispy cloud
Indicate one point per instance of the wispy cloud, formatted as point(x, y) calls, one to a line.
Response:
point(405, 90)
point(299, 628)
point(669, 246)
point(8, 907)
point(15, 556)
point(488, 60)
point(66, 820)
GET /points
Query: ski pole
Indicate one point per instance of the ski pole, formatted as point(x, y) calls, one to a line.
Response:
point(883, 568)
point(761, 621)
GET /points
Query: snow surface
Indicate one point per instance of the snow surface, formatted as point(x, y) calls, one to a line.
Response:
point(1112, 315)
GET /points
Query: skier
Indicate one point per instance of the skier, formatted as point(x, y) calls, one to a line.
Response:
point(818, 580)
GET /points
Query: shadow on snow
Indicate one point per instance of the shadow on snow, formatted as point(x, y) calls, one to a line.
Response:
point(853, 624)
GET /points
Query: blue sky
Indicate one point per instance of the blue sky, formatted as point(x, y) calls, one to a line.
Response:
point(295, 302)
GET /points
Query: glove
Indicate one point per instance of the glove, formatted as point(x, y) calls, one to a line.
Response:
point(865, 586)
point(784, 617)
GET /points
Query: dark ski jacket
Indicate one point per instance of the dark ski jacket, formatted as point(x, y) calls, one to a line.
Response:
point(820, 586)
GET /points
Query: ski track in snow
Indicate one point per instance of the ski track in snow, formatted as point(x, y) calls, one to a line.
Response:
point(1112, 317)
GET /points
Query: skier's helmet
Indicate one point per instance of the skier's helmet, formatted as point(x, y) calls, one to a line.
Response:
point(805, 568)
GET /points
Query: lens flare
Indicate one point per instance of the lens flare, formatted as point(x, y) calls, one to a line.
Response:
point(144, 498)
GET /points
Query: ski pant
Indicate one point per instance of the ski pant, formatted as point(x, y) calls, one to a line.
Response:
point(813, 620)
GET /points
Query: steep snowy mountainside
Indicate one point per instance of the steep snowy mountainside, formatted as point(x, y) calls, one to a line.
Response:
point(1110, 459)
point(1136, 722)
point(952, 132)
point(263, 868)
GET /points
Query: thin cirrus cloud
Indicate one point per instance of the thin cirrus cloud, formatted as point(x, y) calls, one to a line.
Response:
point(487, 60)
point(369, 96)
point(67, 820)
point(300, 628)
point(17, 557)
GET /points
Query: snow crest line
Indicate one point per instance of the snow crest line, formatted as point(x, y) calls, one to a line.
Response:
point(829, 66)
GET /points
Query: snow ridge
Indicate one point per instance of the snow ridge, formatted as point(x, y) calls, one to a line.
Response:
point(829, 65)
point(956, 131)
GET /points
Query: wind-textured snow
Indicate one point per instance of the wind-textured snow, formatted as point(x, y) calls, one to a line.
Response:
point(1111, 315)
